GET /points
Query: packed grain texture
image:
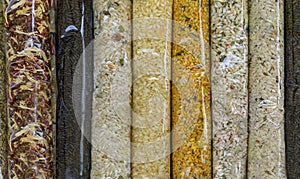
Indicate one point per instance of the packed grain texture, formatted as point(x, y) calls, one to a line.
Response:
point(112, 89)
point(229, 23)
point(3, 97)
point(74, 37)
point(30, 112)
point(152, 30)
point(292, 94)
point(266, 157)
point(52, 18)
point(191, 129)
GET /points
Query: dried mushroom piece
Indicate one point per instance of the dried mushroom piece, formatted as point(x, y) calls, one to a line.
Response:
point(229, 23)
point(191, 129)
point(292, 94)
point(29, 106)
point(112, 89)
point(75, 34)
point(152, 30)
point(3, 100)
point(266, 90)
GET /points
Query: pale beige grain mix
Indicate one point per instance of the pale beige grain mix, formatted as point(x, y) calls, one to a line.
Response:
point(229, 22)
point(112, 90)
point(266, 140)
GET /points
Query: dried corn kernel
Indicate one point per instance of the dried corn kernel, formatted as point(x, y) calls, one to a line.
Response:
point(191, 141)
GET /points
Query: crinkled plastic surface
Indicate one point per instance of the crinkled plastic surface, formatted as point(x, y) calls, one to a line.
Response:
point(229, 36)
point(191, 127)
point(152, 31)
point(266, 157)
point(112, 89)
point(29, 91)
point(74, 62)
point(292, 94)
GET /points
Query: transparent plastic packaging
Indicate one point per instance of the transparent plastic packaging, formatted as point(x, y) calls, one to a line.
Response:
point(266, 155)
point(229, 23)
point(74, 69)
point(292, 95)
point(112, 89)
point(52, 18)
point(191, 124)
point(3, 97)
point(30, 89)
point(152, 32)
